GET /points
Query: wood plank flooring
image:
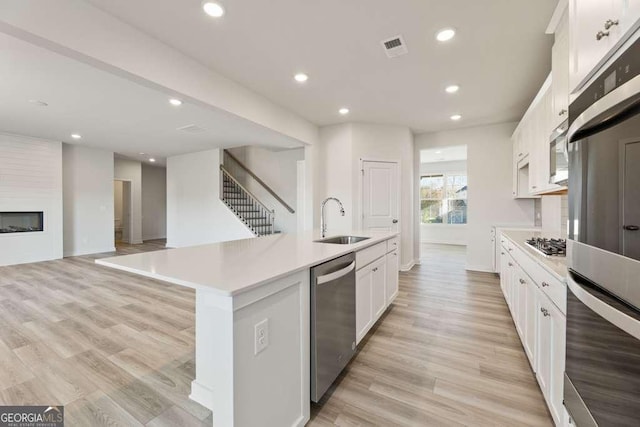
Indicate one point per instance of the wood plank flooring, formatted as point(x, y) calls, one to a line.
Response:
point(118, 349)
point(114, 348)
point(446, 353)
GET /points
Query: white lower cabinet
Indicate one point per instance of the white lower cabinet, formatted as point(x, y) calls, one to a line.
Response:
point(364, 307)
point(551, 337)
point(539, 321)
point(378, 285)
point(376, 288)
point(393, 266)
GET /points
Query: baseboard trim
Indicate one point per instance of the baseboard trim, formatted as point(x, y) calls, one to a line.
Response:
point(479, 268)
point(201, 394)
point(409, 265)
point(67, 254)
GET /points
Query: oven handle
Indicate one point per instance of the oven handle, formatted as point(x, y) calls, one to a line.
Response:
point(613, 107)
point(604, 310)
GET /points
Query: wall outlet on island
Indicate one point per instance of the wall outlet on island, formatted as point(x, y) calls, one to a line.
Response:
point(261, 335)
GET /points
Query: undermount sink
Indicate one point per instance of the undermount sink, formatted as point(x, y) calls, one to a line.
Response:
point(342, 240)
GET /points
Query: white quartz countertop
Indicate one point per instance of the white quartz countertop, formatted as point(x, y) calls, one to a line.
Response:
point(554, 265)
point(230, 268)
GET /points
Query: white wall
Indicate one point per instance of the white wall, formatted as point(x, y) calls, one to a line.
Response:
point(154, 202)
point(449, 234)
point(279, 170)
point(195, 213)
point(88, 200)
point(336, 172)
point(31, 180)
point(489, 170)
point(118, 193)
point(131, 170)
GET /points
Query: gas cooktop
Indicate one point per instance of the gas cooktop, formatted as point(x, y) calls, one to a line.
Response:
point(549, 247)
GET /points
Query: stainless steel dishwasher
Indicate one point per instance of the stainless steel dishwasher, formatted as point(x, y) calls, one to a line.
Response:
point(333, 321)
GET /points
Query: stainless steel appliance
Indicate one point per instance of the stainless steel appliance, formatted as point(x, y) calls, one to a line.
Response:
point(333, 321)
point(602, 374)
point(548, 247)
point(558, 155)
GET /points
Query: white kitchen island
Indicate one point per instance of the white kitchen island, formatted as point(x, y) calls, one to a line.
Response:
point(239, 284)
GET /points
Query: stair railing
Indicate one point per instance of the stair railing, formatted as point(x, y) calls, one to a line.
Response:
point(240, 192)
point(243, 167)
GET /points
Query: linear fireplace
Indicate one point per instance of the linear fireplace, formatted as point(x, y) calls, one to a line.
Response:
point(21, 222)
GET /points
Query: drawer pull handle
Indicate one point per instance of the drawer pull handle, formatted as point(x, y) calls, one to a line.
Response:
point(510, 265)
point(375, 269)
point(544, 312)
point(601, 34)
point(510, 249)
point(610, 23)
point(545, 284)
point(522, 282)
point(502, 253)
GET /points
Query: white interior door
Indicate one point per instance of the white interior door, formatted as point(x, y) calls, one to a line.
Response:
point(380, 196)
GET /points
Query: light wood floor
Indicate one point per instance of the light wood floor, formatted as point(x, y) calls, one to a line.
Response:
point(446, 353)
point(118, 349)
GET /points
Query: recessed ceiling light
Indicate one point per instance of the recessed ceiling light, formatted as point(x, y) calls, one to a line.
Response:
point(76, 136)
point(456, 117)
point(213, 8)
point(38, 103)
point(175, 102)
point(301, 77)
point(445, 34)
point(452, 88)
point(438, 152)
point(343, 111)
point(152, 160)
point(141, 153)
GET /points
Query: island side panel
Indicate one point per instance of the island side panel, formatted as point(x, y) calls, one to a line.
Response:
point(243, 388)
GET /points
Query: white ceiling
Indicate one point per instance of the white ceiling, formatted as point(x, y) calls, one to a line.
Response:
point(109, 112)
point(500, 56)
point(443, 154)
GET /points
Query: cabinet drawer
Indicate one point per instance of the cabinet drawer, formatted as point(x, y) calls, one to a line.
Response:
point(552, 287)
point(393, 244)
point(370, 254)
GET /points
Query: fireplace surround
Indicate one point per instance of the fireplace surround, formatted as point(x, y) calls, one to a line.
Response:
point(21, 222)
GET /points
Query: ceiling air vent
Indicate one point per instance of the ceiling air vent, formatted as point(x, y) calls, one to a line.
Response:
point(192, 129)
point(394, 46)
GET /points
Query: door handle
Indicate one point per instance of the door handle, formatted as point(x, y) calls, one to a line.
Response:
point(395, 221)
point(631, 227)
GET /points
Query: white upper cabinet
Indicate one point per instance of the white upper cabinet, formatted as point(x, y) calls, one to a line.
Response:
point(560, 74)
point(596, 28)
point(630, 14)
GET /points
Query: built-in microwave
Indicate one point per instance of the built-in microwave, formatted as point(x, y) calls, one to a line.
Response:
point(559, 156)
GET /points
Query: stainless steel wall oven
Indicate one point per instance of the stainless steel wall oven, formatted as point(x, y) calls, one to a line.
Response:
point(602, 374)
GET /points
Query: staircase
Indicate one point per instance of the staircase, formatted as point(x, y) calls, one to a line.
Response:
point(246, 206)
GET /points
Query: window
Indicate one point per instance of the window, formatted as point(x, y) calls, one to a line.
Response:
point(443, 198)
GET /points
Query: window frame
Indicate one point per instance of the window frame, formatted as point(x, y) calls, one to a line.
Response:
point(444, 199)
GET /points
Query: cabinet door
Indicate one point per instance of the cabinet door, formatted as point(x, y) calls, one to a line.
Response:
point(586, 19)
point(378, 289)
point(543, 328)
point(551, 341)
point(504, 271)
point(629, 15)
point(364, 313)
point(392, 276)
point(558, 349)
point(560, 75)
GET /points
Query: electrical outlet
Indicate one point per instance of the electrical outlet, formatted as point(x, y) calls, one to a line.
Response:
point(261, 335)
